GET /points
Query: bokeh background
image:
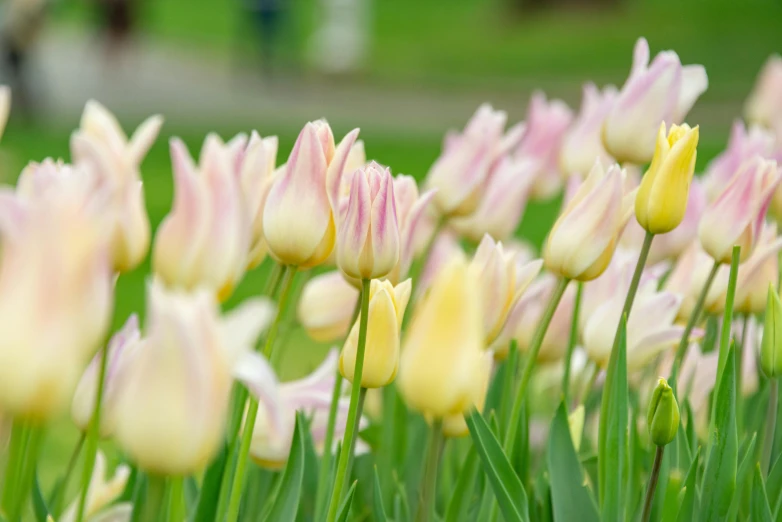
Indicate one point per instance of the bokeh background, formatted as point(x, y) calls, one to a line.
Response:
point(403, 70)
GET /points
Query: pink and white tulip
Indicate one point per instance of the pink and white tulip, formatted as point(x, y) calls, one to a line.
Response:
point(326, 307)
point(764, 105)
point(583, 141)
point(310, 180)
point(663, 91)
point(736, 216)
point(688, 277)
point(204, 240)
point(547, 122)
point(101, 144)
point(411, 211)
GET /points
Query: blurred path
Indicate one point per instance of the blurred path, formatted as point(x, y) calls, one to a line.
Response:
point(191, 88)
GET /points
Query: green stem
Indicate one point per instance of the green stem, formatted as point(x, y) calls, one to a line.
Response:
point(93, 435)
point(572, 341)
point(429, 486)
point(55, 503)
point(531, 356)
point(240, 473)
point(727, 323)
point(14, 468)
point(771, 424)
point(28, 473)
point(351, 427)
point(658, 459)
point(152, 505)
point(691, 322)
point(176, 505)
point(362, 395)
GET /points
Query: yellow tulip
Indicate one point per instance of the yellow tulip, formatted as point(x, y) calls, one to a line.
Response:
point(387, 304)
point(662, 197)
point(455, 425)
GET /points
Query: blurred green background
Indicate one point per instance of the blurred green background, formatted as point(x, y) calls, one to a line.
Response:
point(426, 66)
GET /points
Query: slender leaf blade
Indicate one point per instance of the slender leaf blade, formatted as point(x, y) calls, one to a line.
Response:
point(378, 511)
point(759, 507)
point(687, 508)
point(286, 504)
point(39, 504)
point(344, 508)
point(209, 496)
point(463, 492)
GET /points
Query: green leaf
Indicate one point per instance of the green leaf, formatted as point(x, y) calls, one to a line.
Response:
point(742, 477)
point(670, 503)
point(191, 493)
point(613, 434)
point(462, 495)
point(206, 509)
point(39, 504)
point(719, 477)
point(378, 511)
point(310, 481)
point(774, 485)
point(139, 497)
point(401, 504)
point(687, 510)
point(507, 487)
point(286, 503)
point(344, 508)
point(760, 510)
point(570, 495)
point(130, 485)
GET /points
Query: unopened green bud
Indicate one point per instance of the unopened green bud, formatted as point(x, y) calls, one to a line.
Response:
point(771, 347)
point(663, 416)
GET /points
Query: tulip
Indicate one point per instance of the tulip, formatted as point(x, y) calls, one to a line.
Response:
point(5, 107)
point(101, 144)
point(410, 211)
point(444, 248)
point(278, 403)
point(204, 240)
point(254, 162)
point(444, 345)
point(688, 277)
point(662, 197)
point(387, 304)
point(743, 145)
point(502, 205)
point(455, 425)
point(583, 140)
point(368, 238)
point(55, 289)
point(172, 400)
point(575, 422)
point(661, 92)
point(102, 492)
point(357, 158)
point(764, 106)
point(459, 174)
point(547, 122)
point(662, 418)
point(502, 283)
point(583, 239)
point(326, 307)
point(736, 216)
point(120, 347)
point(771, 347)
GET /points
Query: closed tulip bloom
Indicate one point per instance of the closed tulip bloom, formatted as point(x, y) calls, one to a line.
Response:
point(368, 238)
point(662, 419)
point(583, 141)
point(771, 347)
point(102, 493)
point(547, 122)
point(120, 347)
point(411, 210)
point(460, 172)
point(278, 403)
point(387, 304)
point(736, 216)
point(455, 425)
point(101, 144)
point(444, 345)
point(583, 239)
point(662, 198)
point(764, 106)
point(326, 307)
point(172, 400)
point(502, 204)
point(502, 283)
point(663, 91)
point(310, 180)
point(204, 240)
point(5, 106)
point(744, 144)
point(357, 158)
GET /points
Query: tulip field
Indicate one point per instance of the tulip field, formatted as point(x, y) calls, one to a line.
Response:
point(572, 317)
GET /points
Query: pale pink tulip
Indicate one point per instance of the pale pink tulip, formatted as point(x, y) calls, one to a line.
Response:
point(583, 141)
point(688, 277)
point(764, 105)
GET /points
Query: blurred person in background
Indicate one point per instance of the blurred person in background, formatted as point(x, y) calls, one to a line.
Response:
point(117, 19)
point(267, 19)
point(21, 25)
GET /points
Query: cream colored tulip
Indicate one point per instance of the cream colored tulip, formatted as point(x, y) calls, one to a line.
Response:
point(102, 492)
point(455, 425)
point(326, 307)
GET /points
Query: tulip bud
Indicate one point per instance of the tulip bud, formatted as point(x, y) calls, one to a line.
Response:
point(5, 106)
point(736, 216)
point(310, 180)
point(661, 201)
point(172, 395)
point(387, 304)
point(410, 210)
point(764, 106)
point(120, 346)
point(771, 346)
point(663, 416)
point(661, 92)
point(455, 425)
point(444, 345)
point(575, 422)
point(101, 144)
point(368, 239)
point(204, 240)
point(584, 237)
point(102, 492)
point(583, 142)
point(326, 307)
